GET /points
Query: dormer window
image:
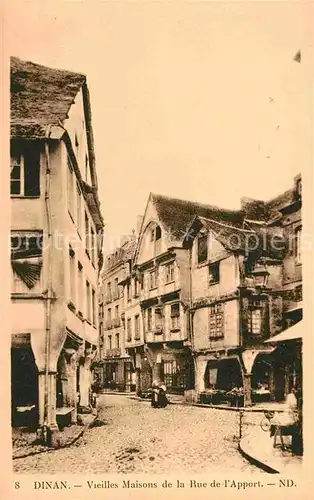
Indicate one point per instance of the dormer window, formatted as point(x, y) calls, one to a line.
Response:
point(202, 248)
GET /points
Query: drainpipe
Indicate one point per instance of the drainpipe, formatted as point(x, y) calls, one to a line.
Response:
point(191, 318)
point(190, 295)
point(49, 287)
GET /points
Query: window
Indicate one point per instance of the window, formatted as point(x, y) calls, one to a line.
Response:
point(25, 170)
point(117, 312)
point(70, 187)
point(216, 321)
point(169, 272)
point(117, 340)
point(88, 302)
point(109, 295)
point(78, 209)
point(158, 320)
point(214, 274)
point(23, 246)
point(116, 288)
point(80, 287)
point(136, 288)
point(93, 246)
point(137, 326)
point(72, 276)
point(149, 319)
point(152, 279)
point(128, 289)
point(175, 373)
point(202, 247)
point(110, 341)
point(94, 306)
point(87, 234)
point(158, 233)
point(175, 316)
point(17, 175)
point(129, 329)
point(255, 317)
point(109, 314)
point(298, 245)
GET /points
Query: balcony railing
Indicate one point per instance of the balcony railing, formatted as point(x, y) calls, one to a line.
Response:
point(175, 335)
point(108, 298)
point(116, 322)
point(108, 324)
point(113, 353)
point(158, 330)
point(152, 338)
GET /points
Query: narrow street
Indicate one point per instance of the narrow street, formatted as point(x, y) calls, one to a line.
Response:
point(138, 438)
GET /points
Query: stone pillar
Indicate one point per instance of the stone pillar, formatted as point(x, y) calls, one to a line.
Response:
point(138, 381)
point(200, 368)
point(85, 379)
point(247, 388)
point(41, 398)
point(156, 369)
point(70, 395)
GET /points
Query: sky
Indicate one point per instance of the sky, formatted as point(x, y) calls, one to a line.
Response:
point(195, 100)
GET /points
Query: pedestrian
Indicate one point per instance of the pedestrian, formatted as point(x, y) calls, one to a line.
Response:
point(155, 395)
point(162, 399)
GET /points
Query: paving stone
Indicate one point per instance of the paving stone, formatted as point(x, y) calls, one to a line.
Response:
point(139, 438)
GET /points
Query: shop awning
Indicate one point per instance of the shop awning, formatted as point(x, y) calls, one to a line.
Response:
point(295, 332)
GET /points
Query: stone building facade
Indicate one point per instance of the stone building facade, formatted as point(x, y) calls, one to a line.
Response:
point(117, 371)
point(246, 288)
point(207, 287)
point(55, 248)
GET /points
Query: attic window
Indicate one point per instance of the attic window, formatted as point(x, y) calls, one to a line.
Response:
point(158, 233)
point(202, 250)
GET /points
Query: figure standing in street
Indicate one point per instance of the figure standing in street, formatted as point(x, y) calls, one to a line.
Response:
point(155, 395)
point(162, 399)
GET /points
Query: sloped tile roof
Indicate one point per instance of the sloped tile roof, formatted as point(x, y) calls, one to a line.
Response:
point(176, 215)
point(40, 96)
point(231, 237)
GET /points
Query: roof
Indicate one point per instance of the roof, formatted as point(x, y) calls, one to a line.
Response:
point(259, 210)
point(121, 254)
point(231, 237)
point(40, 96)
point(177, 215)
point(295, 332)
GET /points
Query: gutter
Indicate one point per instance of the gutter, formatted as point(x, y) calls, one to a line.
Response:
point(49, 287)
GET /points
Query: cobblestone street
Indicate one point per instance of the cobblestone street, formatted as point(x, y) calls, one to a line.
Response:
point(138, 438)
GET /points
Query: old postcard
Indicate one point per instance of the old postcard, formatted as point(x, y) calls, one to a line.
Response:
point(158, 314)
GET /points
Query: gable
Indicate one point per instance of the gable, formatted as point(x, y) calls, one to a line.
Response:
point(153, 239)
